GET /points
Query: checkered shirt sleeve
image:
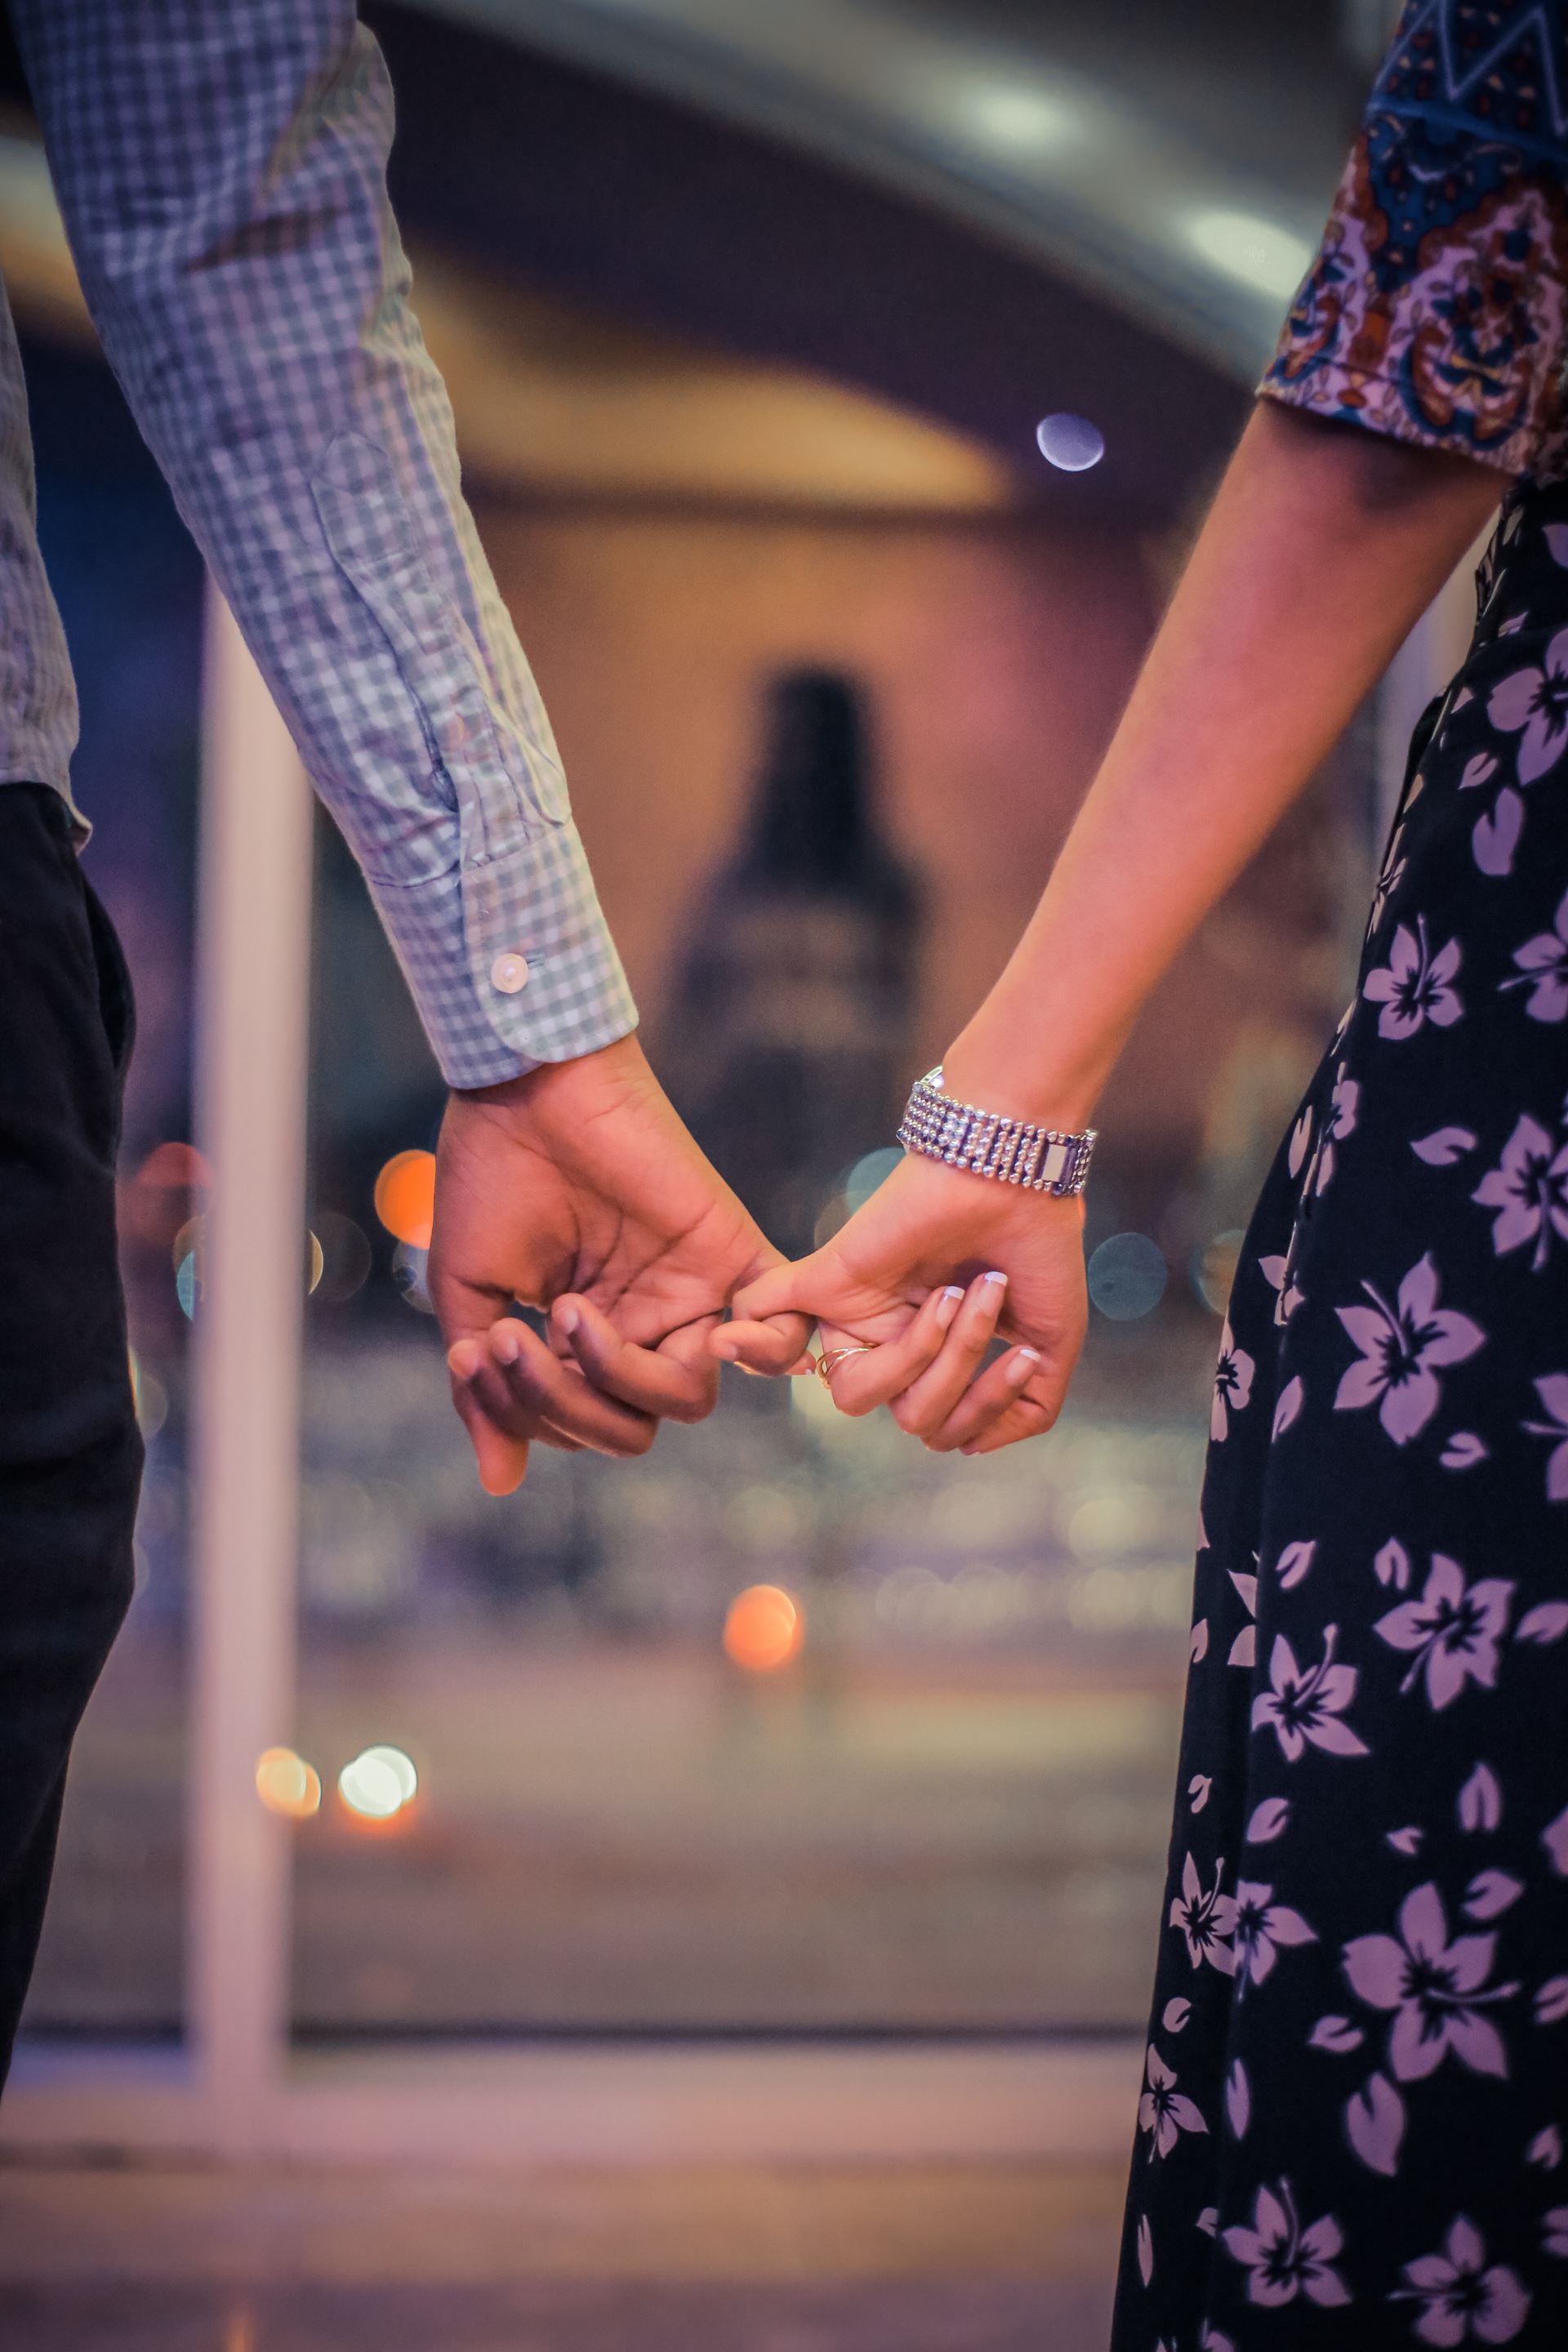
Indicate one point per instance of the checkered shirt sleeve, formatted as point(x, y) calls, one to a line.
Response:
point(221, 169)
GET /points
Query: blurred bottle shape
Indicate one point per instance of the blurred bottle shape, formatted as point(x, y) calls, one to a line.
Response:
point(789, 1031)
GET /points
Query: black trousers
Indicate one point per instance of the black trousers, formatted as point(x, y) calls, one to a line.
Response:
point(71, 1453)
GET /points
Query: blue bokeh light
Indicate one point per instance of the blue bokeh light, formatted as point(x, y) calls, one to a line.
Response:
point(1127, 1276)
point(1070, 443)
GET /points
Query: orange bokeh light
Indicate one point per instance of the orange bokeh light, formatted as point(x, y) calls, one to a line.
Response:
point(286, 1784)
point(763, 1629)
point(174, 1167)
point(406, 1197)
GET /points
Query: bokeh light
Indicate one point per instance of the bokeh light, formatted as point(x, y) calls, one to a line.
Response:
point(1256, 253)
point(1070, 443)
point(174, 1167)
point(763, 1629)
point(866, 1174)
point(1214, 1269)
point(1127, 1276)
point(406, 1197)
point(286, 1784)
point(188, 1284)
point(410, 1271)
point(377, 1784)
point(346, 1256)
point(149, 1398)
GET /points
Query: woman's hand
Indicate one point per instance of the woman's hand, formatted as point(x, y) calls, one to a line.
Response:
point(886, 1282)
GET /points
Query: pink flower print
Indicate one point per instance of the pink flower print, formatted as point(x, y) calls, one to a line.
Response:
point(1206, 1920)
point(1341, 1122)
point(1529, 1189)
point(1454, 1630)
point(1164, 2111)
point(1436, 1989)
point(1554, 2229)
point(1283, 2259)
point(1480, 1801)
point(1532, 704)
point(1459, 2297)
point(1280, 1275)
point(1244, 1649)
point(1304, 1706)
point(1415, 986)
point(1543, 969)
point(1553, 1394)
point(1554, 1838)
point(1401, 1350)
point(1232, 1384)
point(1261, 1925)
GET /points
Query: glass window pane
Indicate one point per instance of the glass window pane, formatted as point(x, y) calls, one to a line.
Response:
point(937, 1795)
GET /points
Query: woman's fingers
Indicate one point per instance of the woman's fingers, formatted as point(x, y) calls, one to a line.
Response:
point(677, 1381)
point(516, 1384)
point(994, 1401)
point(925, 1404)
point(1033, 1411)
point(861, 1382)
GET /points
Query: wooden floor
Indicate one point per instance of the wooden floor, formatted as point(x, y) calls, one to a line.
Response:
point(971, 2259)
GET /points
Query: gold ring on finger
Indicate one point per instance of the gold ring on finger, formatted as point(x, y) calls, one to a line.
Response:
point(827, 1363)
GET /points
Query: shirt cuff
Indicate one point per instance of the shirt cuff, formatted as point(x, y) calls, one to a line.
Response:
point(509, 962)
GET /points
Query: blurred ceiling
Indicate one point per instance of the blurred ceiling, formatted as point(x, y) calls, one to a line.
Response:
point(551, 400)
point(844, 252)
point(1176, 161)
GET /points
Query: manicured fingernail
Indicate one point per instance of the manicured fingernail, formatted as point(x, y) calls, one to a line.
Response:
point(506, 1346)
point(997, 1278)
point(460, 1360)
point(1022, 1365)
point(947, 1306)
point(567, 1319)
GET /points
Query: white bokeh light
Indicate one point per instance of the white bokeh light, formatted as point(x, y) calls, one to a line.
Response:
point(1071, 443)
point(1255, 252)
point(378, 1782)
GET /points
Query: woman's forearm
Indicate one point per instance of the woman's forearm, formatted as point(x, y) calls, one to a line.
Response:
point(1322, 548)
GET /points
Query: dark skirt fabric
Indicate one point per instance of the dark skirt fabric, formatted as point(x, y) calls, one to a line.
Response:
point(1353, 2130)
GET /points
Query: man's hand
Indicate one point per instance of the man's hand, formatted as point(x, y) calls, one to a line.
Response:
point(926, 1227)
point(577, 1190)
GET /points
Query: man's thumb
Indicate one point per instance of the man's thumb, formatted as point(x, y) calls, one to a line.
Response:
point(770, 1328)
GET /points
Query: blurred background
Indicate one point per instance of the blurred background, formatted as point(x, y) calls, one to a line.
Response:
point(791, 1734)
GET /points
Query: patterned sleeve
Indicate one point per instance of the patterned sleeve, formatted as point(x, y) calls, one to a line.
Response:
point(1436, 310)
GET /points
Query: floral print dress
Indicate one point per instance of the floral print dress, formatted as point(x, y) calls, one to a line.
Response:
point(1354, 2127)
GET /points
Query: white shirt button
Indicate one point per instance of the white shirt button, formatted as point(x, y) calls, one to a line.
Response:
point(509, 973)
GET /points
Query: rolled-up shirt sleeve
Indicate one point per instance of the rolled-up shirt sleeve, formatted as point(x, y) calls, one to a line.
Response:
point(1436, 309)
point(221, 170)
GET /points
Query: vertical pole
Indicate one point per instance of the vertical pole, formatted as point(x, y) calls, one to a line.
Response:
point(253, 975)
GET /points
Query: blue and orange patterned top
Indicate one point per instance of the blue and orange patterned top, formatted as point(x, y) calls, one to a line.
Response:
point(1436, 310)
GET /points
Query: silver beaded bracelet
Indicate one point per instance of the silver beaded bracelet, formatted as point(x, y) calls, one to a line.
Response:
point(1010, 1149)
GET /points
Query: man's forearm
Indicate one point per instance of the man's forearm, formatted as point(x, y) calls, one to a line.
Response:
point(222, 173)
point(1323, 547)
